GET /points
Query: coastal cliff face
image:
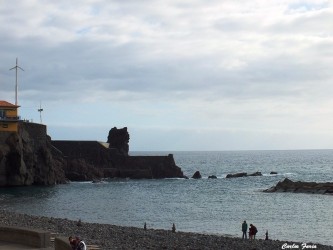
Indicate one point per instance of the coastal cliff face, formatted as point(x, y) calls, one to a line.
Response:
point(28, 158)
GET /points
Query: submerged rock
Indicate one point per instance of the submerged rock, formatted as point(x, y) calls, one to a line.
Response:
point(212, 177)
point(288, 185)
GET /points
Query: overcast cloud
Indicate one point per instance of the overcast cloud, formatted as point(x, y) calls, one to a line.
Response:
point(181, 75)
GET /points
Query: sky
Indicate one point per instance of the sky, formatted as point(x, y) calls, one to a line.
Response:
point(180, 75)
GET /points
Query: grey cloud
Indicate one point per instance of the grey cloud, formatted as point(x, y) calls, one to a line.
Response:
point(180, 63)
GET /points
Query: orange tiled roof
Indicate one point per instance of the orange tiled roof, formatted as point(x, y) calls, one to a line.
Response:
point(7, 104)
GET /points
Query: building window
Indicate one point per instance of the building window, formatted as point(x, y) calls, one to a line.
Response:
point(2, 113)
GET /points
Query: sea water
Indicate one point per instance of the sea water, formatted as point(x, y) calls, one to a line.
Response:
point(214, 206)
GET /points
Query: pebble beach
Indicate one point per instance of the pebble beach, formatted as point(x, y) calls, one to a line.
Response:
point(117, 237)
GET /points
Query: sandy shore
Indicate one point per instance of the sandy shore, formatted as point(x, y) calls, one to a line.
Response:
point(115, 237)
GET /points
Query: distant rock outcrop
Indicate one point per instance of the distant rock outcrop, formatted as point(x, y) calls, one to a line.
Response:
point(288, 185)
point(28, 158)
point(236, 175)
point(243, 174)
point(212, 177)
point(197, 175)
point(119, 139)
point(255, 174)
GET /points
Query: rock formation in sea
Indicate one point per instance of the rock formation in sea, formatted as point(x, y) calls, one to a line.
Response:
point(118, 139)
point(243, 174)
point(28, 158)
point(197, 175)
point(288, 185)
point(212, 177)
point(90, 160)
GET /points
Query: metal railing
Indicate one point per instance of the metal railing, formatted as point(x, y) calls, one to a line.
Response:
point(10, 118)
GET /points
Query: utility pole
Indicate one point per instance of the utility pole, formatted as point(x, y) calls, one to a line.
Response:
point(16, 86)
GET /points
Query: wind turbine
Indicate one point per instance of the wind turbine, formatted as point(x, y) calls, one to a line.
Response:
point(40, 112)
point(16, 87)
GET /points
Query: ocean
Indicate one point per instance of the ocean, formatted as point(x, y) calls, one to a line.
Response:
point(214, 206)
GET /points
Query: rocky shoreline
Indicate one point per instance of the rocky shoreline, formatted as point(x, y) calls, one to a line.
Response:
point(302, 187)
point(116, 237)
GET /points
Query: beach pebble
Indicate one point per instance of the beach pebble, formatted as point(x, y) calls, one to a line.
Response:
point(116, 237)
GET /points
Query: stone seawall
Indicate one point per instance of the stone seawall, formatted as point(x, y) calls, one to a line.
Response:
point(87, 160)
point(92, 151)
point(155, 167)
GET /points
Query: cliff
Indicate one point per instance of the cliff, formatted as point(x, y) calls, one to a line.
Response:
point(88, 160)
point(28, 157)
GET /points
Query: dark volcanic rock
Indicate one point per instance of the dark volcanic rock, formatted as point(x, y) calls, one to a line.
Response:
point(243, 175)
point(28, 158)
point(118, 139)
point(273, 172)
point(78, 169)
point(88, 160)
point(255, 174)
point(236, 175)
point(197, 175)
point(288, 185)
point(212, 177)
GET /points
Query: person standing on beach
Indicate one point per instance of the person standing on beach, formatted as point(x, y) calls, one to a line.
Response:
point(252, 232)
point(244, 229)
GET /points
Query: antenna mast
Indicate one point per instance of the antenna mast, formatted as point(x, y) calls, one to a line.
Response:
point(16, 86)
point(40, 112)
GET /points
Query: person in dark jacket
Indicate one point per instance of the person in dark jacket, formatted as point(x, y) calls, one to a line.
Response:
point(80, 244)
point(72, 242)
point(244, 230)
point(252, 232)
point(76, 243)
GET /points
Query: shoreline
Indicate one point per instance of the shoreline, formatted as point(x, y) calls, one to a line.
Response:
point(109, 237)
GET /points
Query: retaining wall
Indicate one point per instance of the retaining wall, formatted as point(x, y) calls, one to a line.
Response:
point(24, 236)
point(61, 243)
